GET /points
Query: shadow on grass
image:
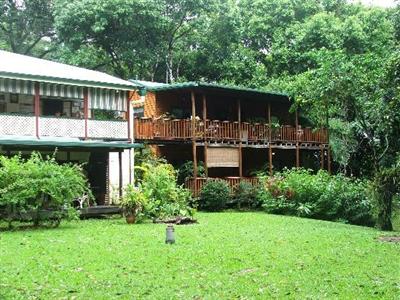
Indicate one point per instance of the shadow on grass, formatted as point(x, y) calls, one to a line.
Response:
point(30, 227)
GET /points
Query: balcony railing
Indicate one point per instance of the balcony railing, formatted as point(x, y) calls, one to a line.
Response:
point(61, 127)
point(196, 184)
point(116, 129)
point(25, 125)
point(213, 130)
point(21, 125)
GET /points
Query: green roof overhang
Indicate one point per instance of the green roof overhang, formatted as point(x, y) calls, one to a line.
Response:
point(66, 81)
point(212, 86)
point(67, 143)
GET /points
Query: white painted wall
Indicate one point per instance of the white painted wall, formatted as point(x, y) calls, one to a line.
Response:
point(114, 174)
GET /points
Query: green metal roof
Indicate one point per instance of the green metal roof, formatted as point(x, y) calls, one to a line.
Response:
point(206, 86)
point(148, 84)
point(65, 142)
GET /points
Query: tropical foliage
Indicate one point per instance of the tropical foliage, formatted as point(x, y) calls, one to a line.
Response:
point(38, 189)
point(320, 196)
point(214, 195)
point(164, 197)
point(337, 59)
point(157, 186)
point(133, 201)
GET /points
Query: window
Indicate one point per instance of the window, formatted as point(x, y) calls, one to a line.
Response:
point(62, 108)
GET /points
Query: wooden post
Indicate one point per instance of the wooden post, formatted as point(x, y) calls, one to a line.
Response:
point(329, 160)
point(131, 169)
point(269, 139)
point(193, 99)
point(297, 140)
point(204, 113)
point(240, 138)
point(240, 160)
point(205, 134)
point(322, 157)
point(86, 109)
point(194, 150)
point(128, 117)
point(120, 174)
point(327, 134)
point(269, 123)
point(37, 108)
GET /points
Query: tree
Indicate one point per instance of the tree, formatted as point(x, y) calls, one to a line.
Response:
point(26, 27)
point(137, 38)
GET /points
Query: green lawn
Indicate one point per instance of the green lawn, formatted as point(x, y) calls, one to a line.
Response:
point(226, 255)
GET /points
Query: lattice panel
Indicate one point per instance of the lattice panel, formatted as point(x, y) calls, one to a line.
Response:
point(108, 129)
point(59, 127)
point(17, 125)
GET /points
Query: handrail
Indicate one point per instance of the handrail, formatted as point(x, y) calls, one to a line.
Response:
point(215, 130)
point(196, 184)
point(51, 126)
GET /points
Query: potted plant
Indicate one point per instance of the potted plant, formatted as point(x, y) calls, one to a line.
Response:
point(132, 203)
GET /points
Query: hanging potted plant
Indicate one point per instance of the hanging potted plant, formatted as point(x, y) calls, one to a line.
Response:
point(132, 203)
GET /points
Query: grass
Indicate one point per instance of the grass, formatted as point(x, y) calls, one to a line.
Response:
point(225, 256)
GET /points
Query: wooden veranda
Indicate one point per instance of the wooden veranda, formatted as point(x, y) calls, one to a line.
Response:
point(206, 134)
point(225, 131)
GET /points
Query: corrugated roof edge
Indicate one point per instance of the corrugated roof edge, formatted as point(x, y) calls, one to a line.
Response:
point(57, 80)
point(195, 84)
point(147, 84)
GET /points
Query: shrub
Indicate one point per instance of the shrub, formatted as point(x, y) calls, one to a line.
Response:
point(186, 170)
point(214, 195)
point(133, 202)
point(38, 189)
point(164, 197)
point(320, 196)
point(145, 160)
point(245, 194)
point(276, 205)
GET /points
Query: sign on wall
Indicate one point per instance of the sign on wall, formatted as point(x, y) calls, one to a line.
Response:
point(222, 157)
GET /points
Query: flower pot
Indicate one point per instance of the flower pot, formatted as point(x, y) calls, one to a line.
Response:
point(130, 219)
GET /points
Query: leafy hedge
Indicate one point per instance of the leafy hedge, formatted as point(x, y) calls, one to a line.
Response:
point(38, 189)
point(245, 196)
point(214, 195)
point(320, 196)
point(164, 198)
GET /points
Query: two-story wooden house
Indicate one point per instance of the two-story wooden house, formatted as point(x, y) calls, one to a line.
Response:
point(234, 131)
point(84, 114)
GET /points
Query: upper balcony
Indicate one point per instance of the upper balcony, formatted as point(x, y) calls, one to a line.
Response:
point(46, 126)
point(46, 110)
point(225, 132)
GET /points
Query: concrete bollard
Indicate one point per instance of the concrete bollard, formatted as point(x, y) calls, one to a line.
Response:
point(170, 236)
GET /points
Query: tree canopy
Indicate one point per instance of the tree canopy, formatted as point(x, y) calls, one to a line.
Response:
point(338, 60)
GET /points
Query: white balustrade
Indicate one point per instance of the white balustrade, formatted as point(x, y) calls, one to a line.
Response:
point(17, 125)
point(109, 129)
point(61, 127)
point(24, 125)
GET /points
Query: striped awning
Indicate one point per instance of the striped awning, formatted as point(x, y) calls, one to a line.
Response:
point(62, 91)
point(17, 86)
point(107, 99)
point(99, 98)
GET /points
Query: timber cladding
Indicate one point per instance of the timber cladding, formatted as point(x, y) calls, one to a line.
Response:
point(223, 157)
point(150, 108)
